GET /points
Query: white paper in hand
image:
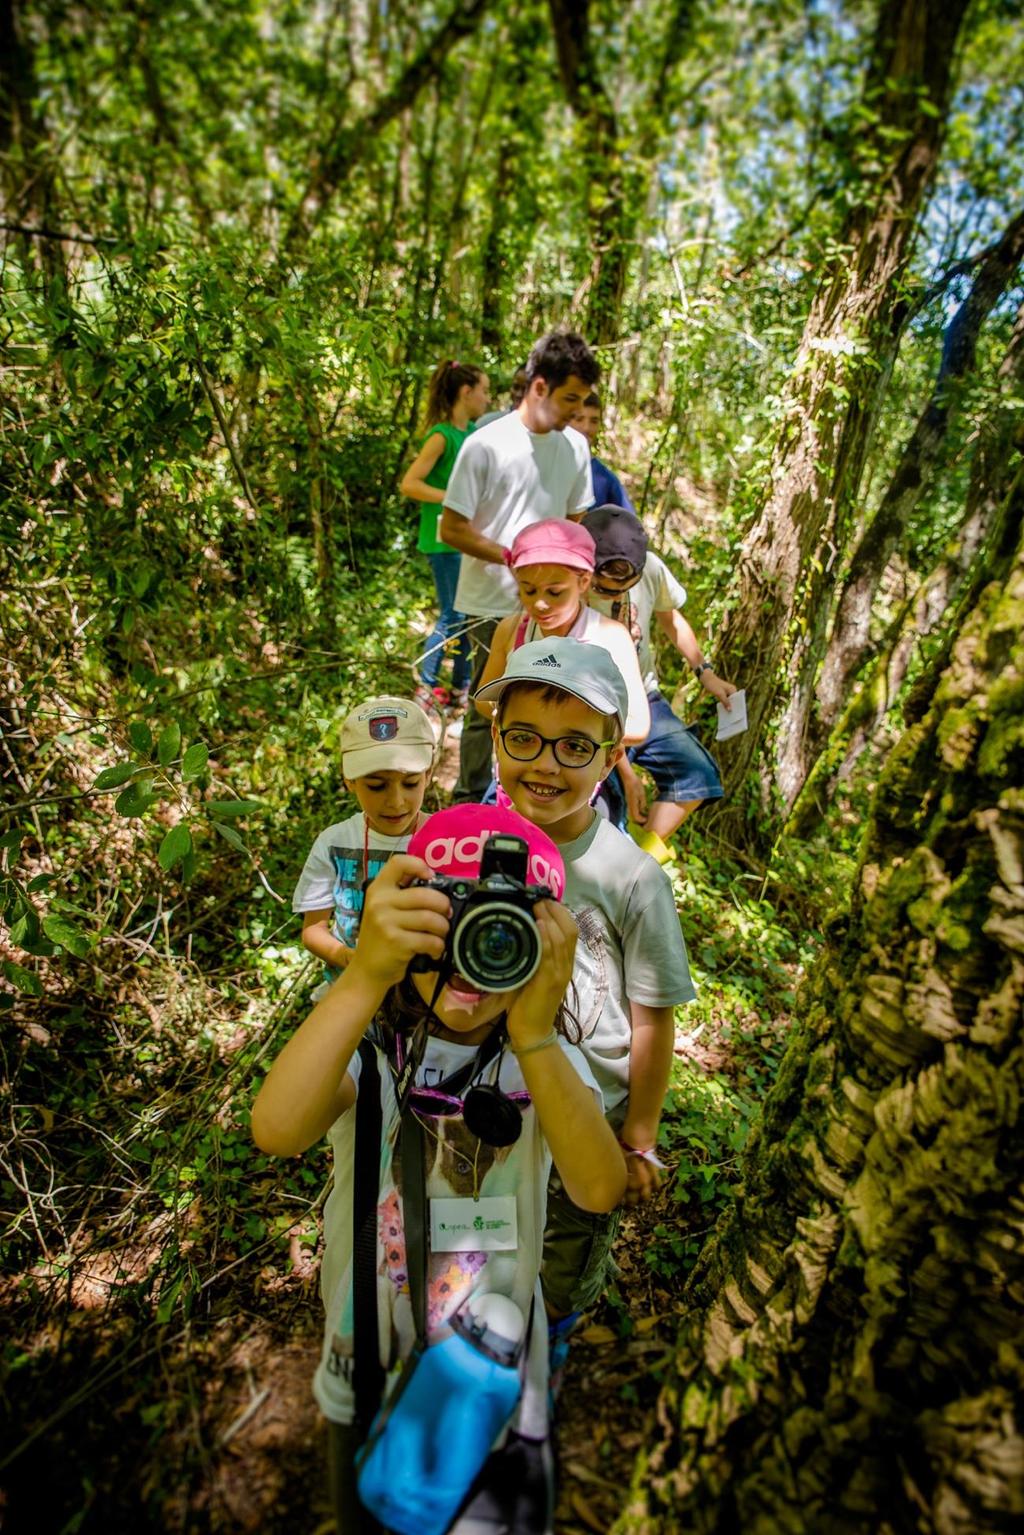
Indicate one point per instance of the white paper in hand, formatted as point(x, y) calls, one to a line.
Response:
point(732, 722)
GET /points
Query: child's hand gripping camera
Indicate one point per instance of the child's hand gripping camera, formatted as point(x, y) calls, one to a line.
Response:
point(493, 939)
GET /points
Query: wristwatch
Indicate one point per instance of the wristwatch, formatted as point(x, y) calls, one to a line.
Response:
point(705, 666)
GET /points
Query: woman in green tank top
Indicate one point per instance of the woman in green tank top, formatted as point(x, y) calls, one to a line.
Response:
point(458, 394)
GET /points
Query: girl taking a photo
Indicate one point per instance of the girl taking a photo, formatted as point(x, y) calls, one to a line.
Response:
point(494, 1089)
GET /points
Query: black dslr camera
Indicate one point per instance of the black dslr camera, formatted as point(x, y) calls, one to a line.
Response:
point(493, 939)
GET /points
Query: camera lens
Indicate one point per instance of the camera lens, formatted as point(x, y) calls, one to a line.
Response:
point(497, 947)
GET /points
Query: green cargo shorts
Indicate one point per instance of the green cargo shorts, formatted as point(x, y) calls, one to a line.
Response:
point(577, 1262)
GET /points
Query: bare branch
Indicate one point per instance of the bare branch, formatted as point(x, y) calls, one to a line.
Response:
point(37, 232)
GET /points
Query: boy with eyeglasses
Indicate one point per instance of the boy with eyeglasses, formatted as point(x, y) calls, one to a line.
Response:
point(634, 585)
point(557, 728)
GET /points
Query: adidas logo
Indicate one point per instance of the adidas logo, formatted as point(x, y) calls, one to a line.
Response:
point(549, 661)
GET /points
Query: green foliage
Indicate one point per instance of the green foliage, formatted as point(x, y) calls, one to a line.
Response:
point(751, 940)
point(205, 413)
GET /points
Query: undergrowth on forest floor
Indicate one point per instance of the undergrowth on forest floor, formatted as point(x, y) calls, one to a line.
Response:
point(751, 939)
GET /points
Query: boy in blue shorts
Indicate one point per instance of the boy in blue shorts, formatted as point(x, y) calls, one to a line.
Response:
point(634, 586)
point(557, 733)
point(387, 752)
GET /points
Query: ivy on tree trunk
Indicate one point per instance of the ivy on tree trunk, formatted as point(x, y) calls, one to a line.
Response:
point(773, 637)
point(850, 1358)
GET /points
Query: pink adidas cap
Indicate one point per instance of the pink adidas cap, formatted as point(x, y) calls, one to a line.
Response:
point(553, 542)
point(452, 842)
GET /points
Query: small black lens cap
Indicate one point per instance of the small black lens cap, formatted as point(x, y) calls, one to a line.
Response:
point(490, 1116)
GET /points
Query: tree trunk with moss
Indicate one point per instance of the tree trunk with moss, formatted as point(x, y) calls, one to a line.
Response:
point(774, 636)
point(997, 453)
point(850, 637)
point(851, 1359)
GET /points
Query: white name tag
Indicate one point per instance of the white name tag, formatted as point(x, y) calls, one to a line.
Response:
point(474, 1225)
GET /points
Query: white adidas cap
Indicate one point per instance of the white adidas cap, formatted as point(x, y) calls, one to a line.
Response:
point(586, 670)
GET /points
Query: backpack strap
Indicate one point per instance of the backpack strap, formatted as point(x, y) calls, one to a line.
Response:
point(367, 1371)
point(521, 628)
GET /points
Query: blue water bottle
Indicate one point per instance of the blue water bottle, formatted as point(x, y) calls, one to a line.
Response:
point(434, 1434)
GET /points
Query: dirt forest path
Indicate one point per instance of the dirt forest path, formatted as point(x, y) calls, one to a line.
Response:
point(265, 1440)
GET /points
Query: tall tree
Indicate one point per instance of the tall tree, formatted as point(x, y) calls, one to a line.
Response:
point(613, 172)
point(774, 632)
point(913, 476)
point(850, 1357)
point(346, 142)
point(998, 448)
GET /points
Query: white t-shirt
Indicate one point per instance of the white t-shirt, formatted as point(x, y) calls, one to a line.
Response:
point(657, 591)
point(340, 860)
point(631, 945)
point(614, 638)
point(506, 478)
point(454, 1159)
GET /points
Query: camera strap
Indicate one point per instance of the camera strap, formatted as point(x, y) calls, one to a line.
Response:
point(407, 1061)
point(367, 1371)
point(409, 1058)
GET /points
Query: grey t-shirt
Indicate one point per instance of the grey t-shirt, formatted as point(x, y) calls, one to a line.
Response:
point(631, 945)
point(657, 591)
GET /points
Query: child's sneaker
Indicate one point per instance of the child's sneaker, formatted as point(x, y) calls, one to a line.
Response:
point(442, 698)
point(424, 696)
point(651, 843)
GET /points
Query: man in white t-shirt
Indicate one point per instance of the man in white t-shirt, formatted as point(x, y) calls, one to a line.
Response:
point(521, 469)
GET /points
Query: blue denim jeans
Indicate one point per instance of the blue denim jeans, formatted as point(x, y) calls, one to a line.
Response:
point(450, 628)
point(681, 767)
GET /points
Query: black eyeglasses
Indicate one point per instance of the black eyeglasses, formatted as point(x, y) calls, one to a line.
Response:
point(570, 751)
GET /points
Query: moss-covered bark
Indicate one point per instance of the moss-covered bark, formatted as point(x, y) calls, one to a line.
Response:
point(852, 1359)
point(775, 628)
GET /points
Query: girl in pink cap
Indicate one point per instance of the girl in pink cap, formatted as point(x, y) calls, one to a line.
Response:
point(553, 563)
point(496, 1086)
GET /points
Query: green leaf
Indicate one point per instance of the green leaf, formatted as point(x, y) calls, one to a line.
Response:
point(169, 743)
point(12, 839)
point(230, 835)
point(113, 777)
point(141, 578)
point(194, 761)
point(25, 980)
point(26, 930)
point(141, 737)
point(168, 1301)
point(39, 882)
point(230, 809)
point(176, 844)
point(136, 799)
point(60, 930)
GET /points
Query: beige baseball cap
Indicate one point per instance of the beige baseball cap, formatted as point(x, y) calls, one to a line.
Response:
point(386, 734)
